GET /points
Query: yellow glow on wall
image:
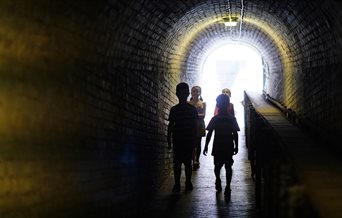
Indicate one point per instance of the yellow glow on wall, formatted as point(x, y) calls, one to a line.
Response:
point(282, 48)
point(185, 42)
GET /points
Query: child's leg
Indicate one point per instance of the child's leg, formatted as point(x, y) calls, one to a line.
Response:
point(228, 166)
point(198, 149)
point(229, 174)
point(197, 153)
point(177, 168)
point(217, 171)
point(188, 171)
point(194, 156)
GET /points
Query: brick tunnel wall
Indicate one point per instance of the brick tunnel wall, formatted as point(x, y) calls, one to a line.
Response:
point(86, 88)
point(84, 96)
point(320, 71)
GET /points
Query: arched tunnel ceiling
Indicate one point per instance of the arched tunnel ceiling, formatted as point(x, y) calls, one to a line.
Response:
point(256, 26)
point(270, 26)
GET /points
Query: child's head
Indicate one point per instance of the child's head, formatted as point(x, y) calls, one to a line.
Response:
point(227, 92)
point(182, 91)
point(222, 102)
point(196, 91)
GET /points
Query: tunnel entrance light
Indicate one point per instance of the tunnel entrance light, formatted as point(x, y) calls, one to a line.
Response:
point(232, 65)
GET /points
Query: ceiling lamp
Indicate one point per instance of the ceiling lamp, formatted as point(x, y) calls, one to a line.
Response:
point(230, 21)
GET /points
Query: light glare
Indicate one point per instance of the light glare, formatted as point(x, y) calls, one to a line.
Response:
point(243, 72)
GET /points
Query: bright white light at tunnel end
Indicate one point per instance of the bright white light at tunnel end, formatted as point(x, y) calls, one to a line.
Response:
point(249, 76)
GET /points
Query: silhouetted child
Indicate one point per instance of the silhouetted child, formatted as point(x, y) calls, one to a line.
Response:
point(225, 142)
point(230, 107)
point(197, 101)
point(182, 134)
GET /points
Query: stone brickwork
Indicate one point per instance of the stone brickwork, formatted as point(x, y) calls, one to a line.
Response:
point(85, 96)
point(86, 87)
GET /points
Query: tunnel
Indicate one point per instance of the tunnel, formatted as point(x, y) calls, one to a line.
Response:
point(87, 86)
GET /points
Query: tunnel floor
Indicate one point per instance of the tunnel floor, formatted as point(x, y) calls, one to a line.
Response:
point(203, 200)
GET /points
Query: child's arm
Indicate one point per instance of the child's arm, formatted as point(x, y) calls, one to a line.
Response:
point(169, 134)
point(216, 110)
point(207, 140)
point(202, 115)
point(233, 111)
point(236, 142)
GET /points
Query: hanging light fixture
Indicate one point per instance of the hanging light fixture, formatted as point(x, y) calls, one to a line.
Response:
point(230, 21)
point(241, 18)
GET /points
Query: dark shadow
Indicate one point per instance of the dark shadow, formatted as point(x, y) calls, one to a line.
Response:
point(164, 207)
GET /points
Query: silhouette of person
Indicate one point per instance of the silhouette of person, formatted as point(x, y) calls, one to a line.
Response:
point(197, 101)
point(230, 107)
point(181, 134)
point(225, 142)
